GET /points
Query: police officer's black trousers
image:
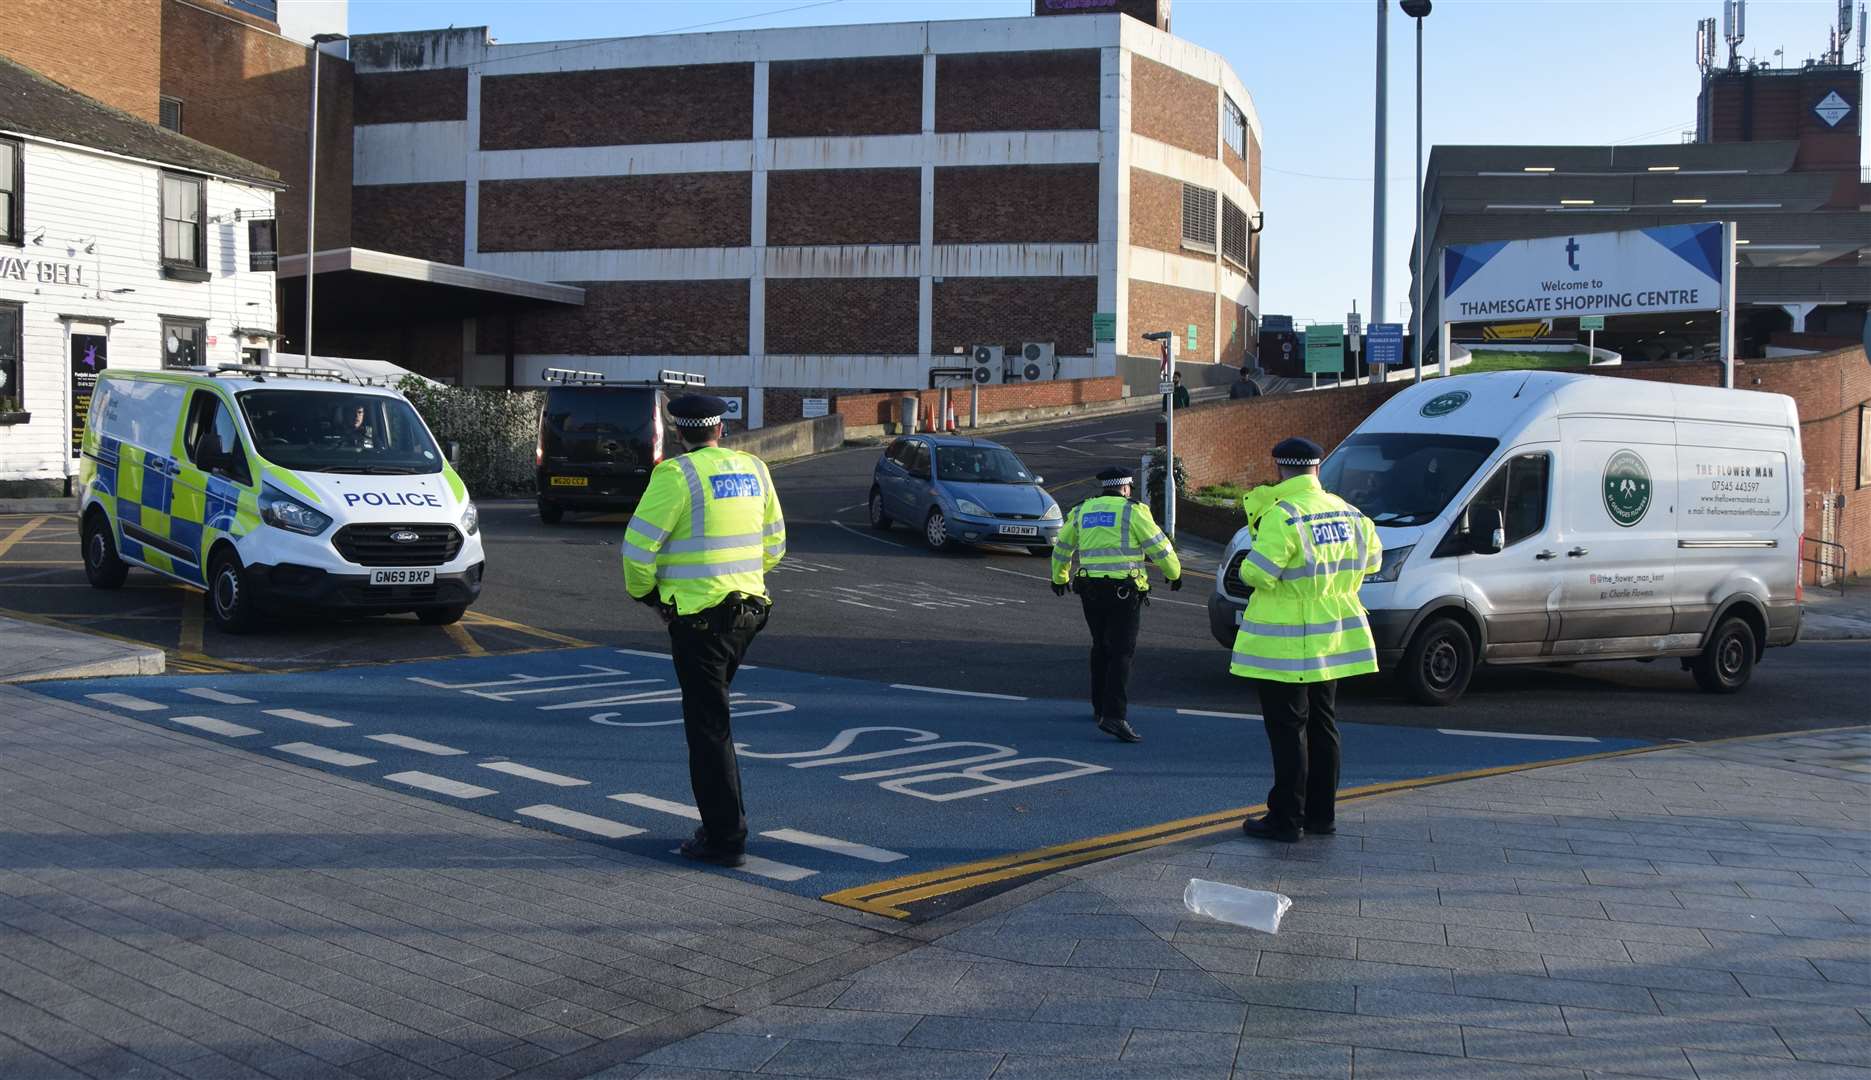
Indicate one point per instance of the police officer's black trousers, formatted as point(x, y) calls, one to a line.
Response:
point(1113, 611)
point(1302, 730)
point(708, 647)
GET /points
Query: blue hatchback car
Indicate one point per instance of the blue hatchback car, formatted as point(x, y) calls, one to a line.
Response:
point(959, 490)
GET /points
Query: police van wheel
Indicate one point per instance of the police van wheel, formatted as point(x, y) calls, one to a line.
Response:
point(1438, 664)
point(230, 602)
point(935, 531)
point(879, 520)
point(550, 512)
point(102, 567)
point(441, 616)
point(1727, 662)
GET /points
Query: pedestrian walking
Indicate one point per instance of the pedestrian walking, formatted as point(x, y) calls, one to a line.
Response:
point(1244, 387)
point(697, 550)
point(1179, 398)
point(1100, 554)
point(1303, 630)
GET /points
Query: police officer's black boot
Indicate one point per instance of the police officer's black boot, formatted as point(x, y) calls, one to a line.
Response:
point(1119, 728)
point(701, 849)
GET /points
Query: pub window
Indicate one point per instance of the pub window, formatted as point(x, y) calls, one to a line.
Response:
point(1233, 127)
point(12, 396)
point(1233, 233)
point(184, 226)
point(169, 113)
point(182, 342)
point(1198, 218)
point(12, 204)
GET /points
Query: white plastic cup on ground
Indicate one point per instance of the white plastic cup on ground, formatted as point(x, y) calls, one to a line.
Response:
point(1253, 908)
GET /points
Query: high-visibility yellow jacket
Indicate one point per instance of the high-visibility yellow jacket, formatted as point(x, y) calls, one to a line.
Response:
point(1311, 551)
point(708, 525)
point(1109, 536)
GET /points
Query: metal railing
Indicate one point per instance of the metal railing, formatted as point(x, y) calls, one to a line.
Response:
point(1831, 572)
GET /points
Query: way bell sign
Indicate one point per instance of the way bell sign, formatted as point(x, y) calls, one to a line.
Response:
point(1668, 268)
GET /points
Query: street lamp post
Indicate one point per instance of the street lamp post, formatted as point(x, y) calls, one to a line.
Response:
point(1379, 189)
point(311, 188)
point(1419, 10)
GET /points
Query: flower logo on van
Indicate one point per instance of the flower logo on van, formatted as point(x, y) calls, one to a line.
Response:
point(1444, 404)
point(1627, 488)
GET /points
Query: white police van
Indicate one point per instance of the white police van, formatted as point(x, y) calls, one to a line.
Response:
point(1533, 517)
point(275, 489)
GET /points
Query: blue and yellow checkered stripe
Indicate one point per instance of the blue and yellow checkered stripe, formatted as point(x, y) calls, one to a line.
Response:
point(172, 500)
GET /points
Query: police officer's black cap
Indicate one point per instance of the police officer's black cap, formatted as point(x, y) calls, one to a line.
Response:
point(697, 410)
point(1298, 451)
point(1116, 476)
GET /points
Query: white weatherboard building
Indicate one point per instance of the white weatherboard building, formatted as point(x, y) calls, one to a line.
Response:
point(121, 245)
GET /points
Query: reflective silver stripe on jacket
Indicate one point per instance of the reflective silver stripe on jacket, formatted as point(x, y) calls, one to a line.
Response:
point(1318, 569)
point(1123, 528)
point(1288, 630)
point(774, 528)
point(1306, 663)
point(1272, 568)
point(653, 533)
point(711, 543)
point(698, 504)
point(1328, 515)
point(710, 569)
point(635, 552)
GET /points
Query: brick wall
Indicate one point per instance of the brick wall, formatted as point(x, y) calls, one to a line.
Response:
point(422, 220)
point(632, 318)
point(407, 97)
point(1017, 204)
point(1155, 211)
point(871, 409)
point(64, 41)
point(1156, 307)
point(615, 106)
point(844, 206)
point(1253, 166)
point(1171, 107)
point(1036, 91)
point(881, 95)
point(841, 316)
point(1235, 163)
point(1007, 311)
point(587, 213)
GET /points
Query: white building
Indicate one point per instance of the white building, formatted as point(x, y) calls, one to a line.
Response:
point(121, 245)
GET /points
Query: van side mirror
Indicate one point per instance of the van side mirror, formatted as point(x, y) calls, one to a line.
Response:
point(1486, 530)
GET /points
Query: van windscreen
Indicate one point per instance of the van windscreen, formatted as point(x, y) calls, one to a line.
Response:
point(325, 431)
point(599, 425)
point(1403, 479)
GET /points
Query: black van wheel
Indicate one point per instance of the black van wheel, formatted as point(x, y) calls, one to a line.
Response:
point(444, 615)
point(550, 512)
point(1727, 662)
point(230, 601)
point(879, 520)
point(102, 567)
point(1438, 664)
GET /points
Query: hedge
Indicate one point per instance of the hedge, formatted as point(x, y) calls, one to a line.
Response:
point(495, 431)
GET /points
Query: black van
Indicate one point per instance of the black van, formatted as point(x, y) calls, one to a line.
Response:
point(599, 438)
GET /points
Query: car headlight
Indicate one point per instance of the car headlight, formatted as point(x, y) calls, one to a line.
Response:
point(1052, 513)
point(975, 508)
point(1393, 564)
point(471, 519)
point(282, 511)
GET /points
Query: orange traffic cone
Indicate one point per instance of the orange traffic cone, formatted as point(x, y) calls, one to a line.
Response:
point(951, 418)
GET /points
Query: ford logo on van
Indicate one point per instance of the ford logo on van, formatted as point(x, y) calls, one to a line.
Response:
point(405, 536)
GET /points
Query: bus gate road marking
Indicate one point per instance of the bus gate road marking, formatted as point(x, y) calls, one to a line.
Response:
point(421, 746)
point(767, 868)
point(324, 754)
point(651, 802)
point(215, 727)
point(527, 772)
point(572, 819)
point(834, 845)
point(441, 785)
point(126, 701)
point(307, 718)
point(216, 696)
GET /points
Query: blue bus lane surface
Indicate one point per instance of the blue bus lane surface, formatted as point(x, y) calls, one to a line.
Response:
point(861, 792)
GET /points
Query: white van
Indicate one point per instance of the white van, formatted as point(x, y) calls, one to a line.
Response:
point(275, 489)
point(1541, 517)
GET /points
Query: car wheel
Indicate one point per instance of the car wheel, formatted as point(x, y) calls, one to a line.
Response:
point(1727, 663)
point(550, 512)
point(441, 616)
point(102, 567)
point(230, 601)
point(879, 520)
point(935, 531)
point(1438, 663)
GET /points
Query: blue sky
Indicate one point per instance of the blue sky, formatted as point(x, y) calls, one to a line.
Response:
point(1498, 71)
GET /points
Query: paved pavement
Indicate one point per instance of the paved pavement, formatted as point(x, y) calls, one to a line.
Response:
point(1835, 614)
point(33, 651)
point(170, 906)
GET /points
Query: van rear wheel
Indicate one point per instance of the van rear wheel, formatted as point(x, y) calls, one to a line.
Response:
point(1439, 662)
point(102, 567)
point(550, 512)
point(230, 601)
point(1727, 662)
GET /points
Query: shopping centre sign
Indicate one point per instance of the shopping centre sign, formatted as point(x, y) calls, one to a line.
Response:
point(1668, 268)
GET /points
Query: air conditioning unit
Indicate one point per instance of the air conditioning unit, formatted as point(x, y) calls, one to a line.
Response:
point(989, 361)
point(1035, 363)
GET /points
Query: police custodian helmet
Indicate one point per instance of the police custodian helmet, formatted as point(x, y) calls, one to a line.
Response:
point(697, 410)
point(1114, 477)
point(1298, 451)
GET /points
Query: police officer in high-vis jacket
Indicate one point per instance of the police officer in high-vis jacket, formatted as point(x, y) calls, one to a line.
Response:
point(1109, 538)
point(698, 549)
point(1303, 630)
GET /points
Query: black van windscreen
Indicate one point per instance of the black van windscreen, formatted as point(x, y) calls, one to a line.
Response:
point(599, 425)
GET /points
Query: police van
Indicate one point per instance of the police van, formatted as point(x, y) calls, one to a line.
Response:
point(1534, 517)
point(274, 489)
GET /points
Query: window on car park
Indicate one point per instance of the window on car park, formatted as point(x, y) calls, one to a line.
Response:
point(1233, 127)
point(1233, 233)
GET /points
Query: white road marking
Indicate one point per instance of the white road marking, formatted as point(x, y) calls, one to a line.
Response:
point(1018, 573)
point(643, 652)
point(1100, 435)
point(865, 535)
point(651, 802)
point(522, 680)
point(767, 868)
point(320, 753)
point(557, 688)
point(1512, 735)
point(1154, 597)
point(1223, 715)
point(835, 845)
point(307, 718)
point(217, 696)
point(1076, 450)
point(514, 768)
point(217, 727)
point(572, 819)
point(441, 785)
point(853, 506)
point(419, 745)
point(956, 693)
point(125, 701)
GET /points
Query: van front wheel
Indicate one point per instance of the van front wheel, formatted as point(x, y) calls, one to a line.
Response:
point(230, 601)
point(1438, 663)
point(1727, 662)
point(102, 567)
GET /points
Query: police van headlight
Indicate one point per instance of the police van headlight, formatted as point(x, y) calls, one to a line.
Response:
point(471, 520)
point(1052, 513)
point(281, 511)
point(975, 508)
point(1393, 564)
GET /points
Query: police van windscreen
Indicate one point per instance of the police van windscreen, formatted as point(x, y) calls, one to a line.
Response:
point(608, 425)
point(1403, 479)
point(324, 431)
